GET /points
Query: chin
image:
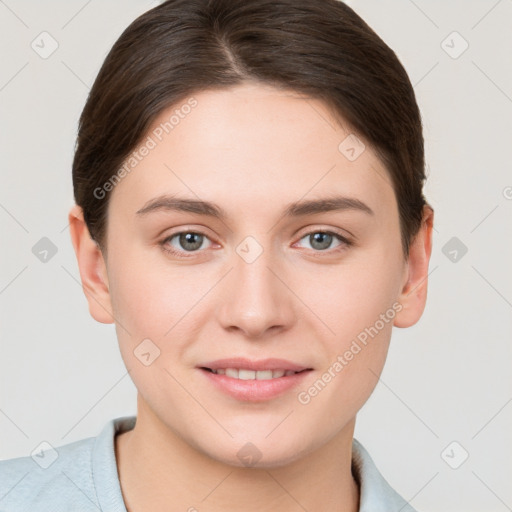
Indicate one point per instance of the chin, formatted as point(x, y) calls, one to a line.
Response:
point(259, 454)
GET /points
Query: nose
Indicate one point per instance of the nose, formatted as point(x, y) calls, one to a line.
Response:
point(256, 299)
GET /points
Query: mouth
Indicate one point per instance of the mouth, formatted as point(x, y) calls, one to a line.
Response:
point(248, 380)
point(244, 374)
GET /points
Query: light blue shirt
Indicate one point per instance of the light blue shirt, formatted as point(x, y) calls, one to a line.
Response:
point(82, 477)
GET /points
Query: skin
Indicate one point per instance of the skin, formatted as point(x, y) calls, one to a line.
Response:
point(252, 150)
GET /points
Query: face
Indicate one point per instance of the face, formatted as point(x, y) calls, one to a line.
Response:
point(268, 269)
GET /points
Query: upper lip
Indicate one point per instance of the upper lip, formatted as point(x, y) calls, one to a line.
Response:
point(256, 365)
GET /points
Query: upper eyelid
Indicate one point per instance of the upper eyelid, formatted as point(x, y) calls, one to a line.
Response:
point(332, 231)
point(341, 238)
point(186, 231)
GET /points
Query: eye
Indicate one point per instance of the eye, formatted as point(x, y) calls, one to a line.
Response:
point(322, 240)
point(180, 243)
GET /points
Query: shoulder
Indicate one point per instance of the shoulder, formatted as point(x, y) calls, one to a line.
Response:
point(376, 494)
point(79, 476)
point(48, 478)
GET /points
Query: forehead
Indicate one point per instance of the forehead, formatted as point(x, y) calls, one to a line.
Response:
point(251, 146)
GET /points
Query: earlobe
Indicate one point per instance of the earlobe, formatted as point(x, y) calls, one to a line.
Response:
point(413, 295)
point(91, 264)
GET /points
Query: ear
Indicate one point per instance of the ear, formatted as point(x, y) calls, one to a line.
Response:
point(413, 295)
point(93, 271)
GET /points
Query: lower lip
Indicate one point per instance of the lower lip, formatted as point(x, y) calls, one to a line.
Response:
point(255, 390)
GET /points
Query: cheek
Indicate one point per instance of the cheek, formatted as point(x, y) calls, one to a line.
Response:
point(161, 303)
point(357, 304)
point(351, 298)
point(359, 309)
point(147, 297)
point(153, 312)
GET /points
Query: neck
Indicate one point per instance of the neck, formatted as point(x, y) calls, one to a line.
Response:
point(156, 468)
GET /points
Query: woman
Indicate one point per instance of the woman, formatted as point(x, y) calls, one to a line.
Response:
point(249, 213)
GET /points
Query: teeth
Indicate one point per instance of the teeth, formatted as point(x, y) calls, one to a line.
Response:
point(246, 374)
point(232, 372)
point(262, 374)
point(242, 374)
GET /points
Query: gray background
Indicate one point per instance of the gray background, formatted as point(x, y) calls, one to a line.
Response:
point(447, 378)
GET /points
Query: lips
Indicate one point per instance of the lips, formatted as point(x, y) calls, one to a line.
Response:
point(241, 363)
point(253, 381)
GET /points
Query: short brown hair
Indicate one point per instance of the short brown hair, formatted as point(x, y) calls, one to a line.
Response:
point(319, 48)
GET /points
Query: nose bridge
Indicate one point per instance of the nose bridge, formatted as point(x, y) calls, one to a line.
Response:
point(256, 300)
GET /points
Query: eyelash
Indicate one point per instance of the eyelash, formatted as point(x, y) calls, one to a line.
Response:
point(345, 243)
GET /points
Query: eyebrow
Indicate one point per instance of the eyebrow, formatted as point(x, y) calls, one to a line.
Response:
point(295, 209)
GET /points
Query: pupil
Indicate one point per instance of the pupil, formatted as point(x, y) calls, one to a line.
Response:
point(321, 240)
point(188, 243)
